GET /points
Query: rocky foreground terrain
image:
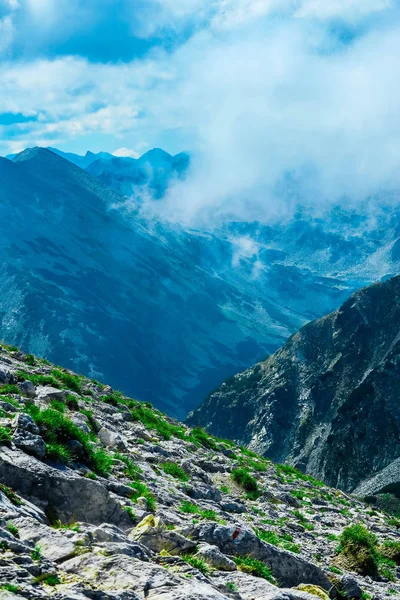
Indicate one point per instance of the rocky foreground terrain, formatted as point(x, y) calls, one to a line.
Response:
point(328, 400)
point(103, 497)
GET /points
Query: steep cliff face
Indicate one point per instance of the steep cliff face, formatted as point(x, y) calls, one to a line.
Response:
point(328, 401)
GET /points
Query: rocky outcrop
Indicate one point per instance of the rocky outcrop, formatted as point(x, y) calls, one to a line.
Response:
point(328, 401)
point(127, 503)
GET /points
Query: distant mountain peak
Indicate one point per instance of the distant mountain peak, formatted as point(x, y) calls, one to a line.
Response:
point(35, 152)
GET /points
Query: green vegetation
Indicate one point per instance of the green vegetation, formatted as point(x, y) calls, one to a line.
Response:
point(196, 563)
point(254, 567)
point(30, 360)
point(13, 529)
point(336, 570)
point(190, 508)
point(57, 430)
point(292, 473)
point(9, 587)
point(232, 586)
point(175, 470)
point(38, 379)
point(199, 436)
point(69, 381)
point(243, 478)
point(361, 552)
point(283, 540)
point(36, 554)
point(72, 526)
point(9, 388)
point(48, 579)
point(140, 489)
point(152, 419)
point(12, 496)
point(5, 435)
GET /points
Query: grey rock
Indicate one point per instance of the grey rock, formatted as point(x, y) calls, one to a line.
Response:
point(24, 421)
point(233, 507)
point(5, 375)
point(48, 393)
point(288, 568)
point(111, 438)
point(71, 496)
point(29, 442)
point(213, 556)
point(27, 389)
point(350, 587)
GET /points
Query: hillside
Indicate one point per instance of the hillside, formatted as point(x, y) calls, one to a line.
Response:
point(103, 497)
point(328, 401)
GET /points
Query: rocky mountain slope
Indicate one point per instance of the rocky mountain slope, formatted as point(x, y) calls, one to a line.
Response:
point(89, 282)
point(105, 498)
point(328, 401)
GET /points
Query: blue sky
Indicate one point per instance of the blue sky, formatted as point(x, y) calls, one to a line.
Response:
point(256, 87)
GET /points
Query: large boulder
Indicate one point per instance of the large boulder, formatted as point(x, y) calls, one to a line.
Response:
point(287, 568)
point(60, 492)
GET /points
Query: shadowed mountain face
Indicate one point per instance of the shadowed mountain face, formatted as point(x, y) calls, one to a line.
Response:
point(328, 401)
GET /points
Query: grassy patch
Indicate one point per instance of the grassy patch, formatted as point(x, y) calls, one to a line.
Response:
point(57, 430)
point(293, 473)
point(5, 435)
point(199, 436)
point(175, 470)
point(10, 587)
point(151, 419)
point(359, 547)
point(284, 540)
point(254, 567)
point(243, 478)
point(38, 379)
point(13, 529)
point(69, 381)
point(9, 388)
point(190, 508)
point(196, 563)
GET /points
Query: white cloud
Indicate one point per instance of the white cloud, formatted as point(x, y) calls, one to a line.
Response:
point(255, 99)
point(126, 152)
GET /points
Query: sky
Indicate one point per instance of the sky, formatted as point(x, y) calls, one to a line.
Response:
point(268, 95)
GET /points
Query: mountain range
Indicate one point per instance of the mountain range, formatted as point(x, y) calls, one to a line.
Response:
point(162, 311)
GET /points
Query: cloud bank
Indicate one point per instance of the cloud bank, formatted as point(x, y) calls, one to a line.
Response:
point(277, 99)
